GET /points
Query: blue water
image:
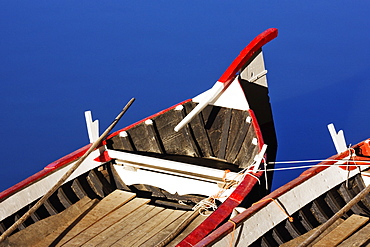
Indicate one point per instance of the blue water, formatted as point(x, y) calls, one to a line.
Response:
point(58, 59)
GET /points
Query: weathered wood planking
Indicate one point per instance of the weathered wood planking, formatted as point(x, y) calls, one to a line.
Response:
point(300, 239)
point(156, 224)
point(106, 205)
point(43, 232)
point(357, 239)
point(214, 118)
point(141, 231)
point(200, 134)
point(119, 227)
point(105, 222)
point(341, 232)
point(347, 195)
point(99, 184)
point(181, 142)
point(166, 231)
point(77, 189)
point(217, 132)
point(196, 222)
point(131, 226)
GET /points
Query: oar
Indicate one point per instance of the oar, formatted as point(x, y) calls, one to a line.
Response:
point(229, 75)
point(66, 175)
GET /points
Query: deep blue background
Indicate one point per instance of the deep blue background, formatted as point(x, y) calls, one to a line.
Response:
point(60, 58)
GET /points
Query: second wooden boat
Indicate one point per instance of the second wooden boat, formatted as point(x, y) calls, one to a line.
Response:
point(327, 205)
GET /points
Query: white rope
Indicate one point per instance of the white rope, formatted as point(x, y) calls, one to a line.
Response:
point(205, 206)
point(312, 161)
point(367, 163)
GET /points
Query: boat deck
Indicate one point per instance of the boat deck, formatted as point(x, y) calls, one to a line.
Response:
point(354, 231)
point(120, 219)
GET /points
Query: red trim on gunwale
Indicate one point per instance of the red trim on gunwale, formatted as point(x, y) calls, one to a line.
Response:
point(228, 227)
point(247, 53)
point(48, 169)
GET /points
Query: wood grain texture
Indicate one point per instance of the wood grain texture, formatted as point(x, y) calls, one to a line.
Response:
point(106, 205)
point(341, 232)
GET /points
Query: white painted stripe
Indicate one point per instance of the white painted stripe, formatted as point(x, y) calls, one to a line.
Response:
point(34, 191)
point(169, 166)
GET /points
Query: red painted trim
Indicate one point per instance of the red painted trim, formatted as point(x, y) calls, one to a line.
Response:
point(257, 128)
point(227, 227)
point(247, 53)
point(103, 157)
point(48, 169)
point(68, 158)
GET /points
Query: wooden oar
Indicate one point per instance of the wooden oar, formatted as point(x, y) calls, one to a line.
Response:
point(336, 216)
point(66, 175)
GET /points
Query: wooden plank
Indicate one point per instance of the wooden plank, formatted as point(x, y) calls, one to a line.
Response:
point(175, 142)
point(142, 139)
point(189, 135)
point(141, 231)
point(77, 189)
point(119, 226)
point(108, 204)
point(166, 231)
point(196, 222)
point(225, 134)
point(247, 150)
point(131, 227)
point(214, 119)
point(153, 135)
point(95, 183)
point(348, 195)
point(163, 224)
point(300, 239)
point(105, 222)
point(200, 134)
point(343, 231)
point(233, 152)
point(43, 233)
point(63, 198)
point(357, 239)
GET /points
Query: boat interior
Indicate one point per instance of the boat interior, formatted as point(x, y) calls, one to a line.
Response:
point(198, 158)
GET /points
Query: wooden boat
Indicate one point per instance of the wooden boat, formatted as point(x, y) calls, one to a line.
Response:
point(140, 185)
point(327, 205)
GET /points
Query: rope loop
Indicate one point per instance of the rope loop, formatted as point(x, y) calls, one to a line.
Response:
point(233, 232)
point(290, 218)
